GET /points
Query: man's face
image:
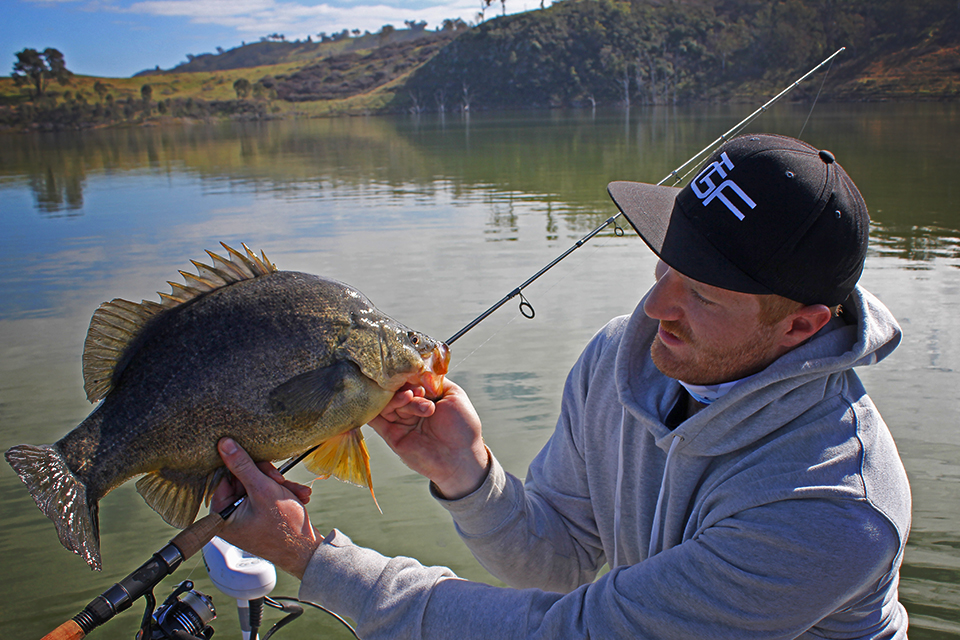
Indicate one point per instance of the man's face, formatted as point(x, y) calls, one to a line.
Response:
point(708, 335)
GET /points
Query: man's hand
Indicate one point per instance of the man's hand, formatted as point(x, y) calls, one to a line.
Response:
point(272, 522)
point(438, 439)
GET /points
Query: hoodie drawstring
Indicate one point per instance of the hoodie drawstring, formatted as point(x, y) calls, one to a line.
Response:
point(616, 495)
point(655, 529)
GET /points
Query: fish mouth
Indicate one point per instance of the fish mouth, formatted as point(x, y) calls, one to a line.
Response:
point(436, 364)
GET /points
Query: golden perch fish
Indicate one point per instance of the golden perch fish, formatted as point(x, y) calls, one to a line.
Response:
point(278, 360)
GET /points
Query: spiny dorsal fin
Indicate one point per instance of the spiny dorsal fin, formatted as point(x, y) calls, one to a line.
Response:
point(116, 323)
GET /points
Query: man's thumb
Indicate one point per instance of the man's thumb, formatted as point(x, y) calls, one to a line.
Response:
point(238, 462)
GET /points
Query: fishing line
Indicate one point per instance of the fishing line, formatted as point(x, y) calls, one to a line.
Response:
point(817, 97)
point(526, 308)
point(675, 174)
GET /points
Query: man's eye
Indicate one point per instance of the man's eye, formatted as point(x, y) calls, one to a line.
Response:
point(699, 298)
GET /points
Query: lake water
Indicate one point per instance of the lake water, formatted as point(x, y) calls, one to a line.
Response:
point(435, 219)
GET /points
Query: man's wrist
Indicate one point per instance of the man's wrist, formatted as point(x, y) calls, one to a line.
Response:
point(302, 552)
point(465, 483)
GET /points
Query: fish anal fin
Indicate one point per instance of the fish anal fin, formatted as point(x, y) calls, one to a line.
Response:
point(175, 495)
point(310, 393)
point(62, 497)
point(344, 457)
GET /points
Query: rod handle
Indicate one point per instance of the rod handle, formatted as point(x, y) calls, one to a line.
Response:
point(119, 597)
point(193, 538)
point(69, 630)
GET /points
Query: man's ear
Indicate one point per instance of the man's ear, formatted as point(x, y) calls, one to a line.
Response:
point(803, 323)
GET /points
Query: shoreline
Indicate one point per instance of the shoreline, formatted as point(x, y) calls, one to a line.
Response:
point(249, 111)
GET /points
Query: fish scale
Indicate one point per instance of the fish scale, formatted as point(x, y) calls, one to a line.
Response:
point(280, 361)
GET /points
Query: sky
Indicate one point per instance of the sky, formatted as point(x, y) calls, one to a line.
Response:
point(118, 38)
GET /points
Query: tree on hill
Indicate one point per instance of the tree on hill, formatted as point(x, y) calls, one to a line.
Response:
point(37, 69)
point(242, 87)
point(484, 5)
point(385, 32)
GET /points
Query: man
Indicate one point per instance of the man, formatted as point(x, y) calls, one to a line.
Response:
point(715, 448)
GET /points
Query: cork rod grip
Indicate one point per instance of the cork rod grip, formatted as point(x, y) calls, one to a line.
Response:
point(193, 538)
point(69, 630)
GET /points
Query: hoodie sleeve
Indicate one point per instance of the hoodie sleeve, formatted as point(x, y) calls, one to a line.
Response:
point(542, 533)
point(528, 541)
point(746, 577)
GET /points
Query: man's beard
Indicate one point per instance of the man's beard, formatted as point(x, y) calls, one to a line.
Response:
point(710, 366)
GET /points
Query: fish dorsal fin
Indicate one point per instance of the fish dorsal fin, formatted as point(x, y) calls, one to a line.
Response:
point(117, 323)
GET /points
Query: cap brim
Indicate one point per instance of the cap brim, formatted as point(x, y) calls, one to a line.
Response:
point(653, 212)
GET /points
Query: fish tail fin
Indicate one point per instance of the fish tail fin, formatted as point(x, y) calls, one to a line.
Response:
point(177, 495)
point(62, 497)
point(344, 457)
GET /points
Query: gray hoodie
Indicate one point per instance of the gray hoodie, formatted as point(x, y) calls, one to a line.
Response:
point(779, 511)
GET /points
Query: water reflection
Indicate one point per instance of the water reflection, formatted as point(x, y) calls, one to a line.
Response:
point(566, 158)
point(916, 244)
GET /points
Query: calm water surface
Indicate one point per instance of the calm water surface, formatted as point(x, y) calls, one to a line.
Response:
point(435, 220)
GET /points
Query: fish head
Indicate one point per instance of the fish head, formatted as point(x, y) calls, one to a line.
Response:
point(394, 355)
point(436, 364)
point(415, 358)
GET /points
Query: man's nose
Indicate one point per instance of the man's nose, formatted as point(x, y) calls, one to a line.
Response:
point(661, 301)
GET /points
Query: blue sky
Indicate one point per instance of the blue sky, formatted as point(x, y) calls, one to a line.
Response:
point(118, 38)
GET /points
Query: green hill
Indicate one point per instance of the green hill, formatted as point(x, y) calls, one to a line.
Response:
point(581, 52)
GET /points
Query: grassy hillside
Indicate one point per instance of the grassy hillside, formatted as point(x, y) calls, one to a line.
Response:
point(275, 52)
point(574, 53)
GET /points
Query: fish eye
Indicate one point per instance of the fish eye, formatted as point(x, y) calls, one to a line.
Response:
point(414, 338)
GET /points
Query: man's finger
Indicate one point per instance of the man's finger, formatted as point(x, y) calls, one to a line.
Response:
point(417, 408)
point(271, 471)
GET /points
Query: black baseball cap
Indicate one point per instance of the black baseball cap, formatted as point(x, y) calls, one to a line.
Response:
point(767, 214)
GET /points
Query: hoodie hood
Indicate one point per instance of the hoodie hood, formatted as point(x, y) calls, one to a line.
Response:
point(785, 389)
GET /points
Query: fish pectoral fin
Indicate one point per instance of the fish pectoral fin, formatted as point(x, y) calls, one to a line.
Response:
point(311, 392)
point(176, 495)
point(344, 457)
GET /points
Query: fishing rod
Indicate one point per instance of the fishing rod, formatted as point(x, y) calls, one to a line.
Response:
point(527, 309)
point(142, 581)
point(186, 618)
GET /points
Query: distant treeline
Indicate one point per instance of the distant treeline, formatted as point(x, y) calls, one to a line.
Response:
point(71, 113)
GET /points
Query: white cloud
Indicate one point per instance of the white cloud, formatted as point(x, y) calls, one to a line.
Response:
point(297, 20)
